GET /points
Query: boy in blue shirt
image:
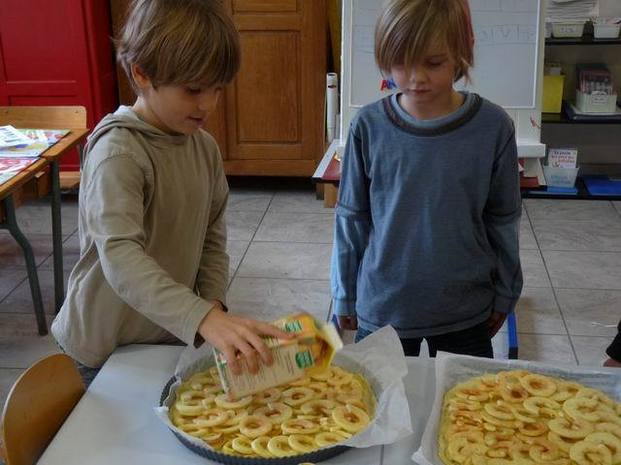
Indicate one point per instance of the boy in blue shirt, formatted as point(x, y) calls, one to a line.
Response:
point(427, 221)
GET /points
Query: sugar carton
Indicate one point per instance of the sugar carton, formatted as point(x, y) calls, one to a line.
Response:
point(312, 349)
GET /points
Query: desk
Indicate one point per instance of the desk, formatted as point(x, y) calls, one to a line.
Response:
point(115, 423)
point(10, 223)
point(50, 157)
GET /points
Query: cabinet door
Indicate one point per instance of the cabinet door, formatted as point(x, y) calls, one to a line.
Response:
point(275, 106)
point(270, 120)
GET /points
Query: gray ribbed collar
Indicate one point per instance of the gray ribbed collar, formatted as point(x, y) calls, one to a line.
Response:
point(434, 127)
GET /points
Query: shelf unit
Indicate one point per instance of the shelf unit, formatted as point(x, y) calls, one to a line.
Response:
point(556, 119)
point(584, 40)
point(582, 194)
point(561, 118)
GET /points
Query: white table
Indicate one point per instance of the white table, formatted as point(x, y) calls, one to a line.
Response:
point(114, 422)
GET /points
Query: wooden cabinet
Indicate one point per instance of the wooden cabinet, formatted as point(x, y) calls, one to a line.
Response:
point(270, 121)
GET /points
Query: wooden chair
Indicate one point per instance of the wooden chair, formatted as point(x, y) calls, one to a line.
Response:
point(37, 405)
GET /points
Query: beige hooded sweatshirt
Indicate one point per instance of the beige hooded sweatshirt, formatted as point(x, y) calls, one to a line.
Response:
point(152, 239)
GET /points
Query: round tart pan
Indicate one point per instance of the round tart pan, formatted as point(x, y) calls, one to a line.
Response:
point(211, 454)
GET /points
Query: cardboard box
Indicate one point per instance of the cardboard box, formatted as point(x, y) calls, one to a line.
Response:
point(312, 349)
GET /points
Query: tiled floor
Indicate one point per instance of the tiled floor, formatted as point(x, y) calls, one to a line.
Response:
point(280, 245)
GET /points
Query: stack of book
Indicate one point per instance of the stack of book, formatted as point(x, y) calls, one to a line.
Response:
point(19, 148)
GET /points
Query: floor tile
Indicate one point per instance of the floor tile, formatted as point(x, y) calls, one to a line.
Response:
point(575, 210)
point(248, 200)
point(71, 254)
point(242, 225)
point(298, 201)
point(545, 348)
point(11, 254)
point(21, 352)
point(236, 251)
point(596, 235)
point(617, 205)
point(537, 312)
point(296, 227)
point(269, 299)
point(533, 269)
point(527, 237)
point(19, 325)
point(10, 278)
point(591, 351)
point(286, 260)
point(8, 376)
point(35, 217)
point(590, 312)
point(584, 270)
point(20, 300)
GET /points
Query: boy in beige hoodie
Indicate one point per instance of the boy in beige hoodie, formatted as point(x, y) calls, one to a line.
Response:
point(153, 266)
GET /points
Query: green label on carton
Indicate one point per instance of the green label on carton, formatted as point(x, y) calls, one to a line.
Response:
point(304, 359)
point(293, 326)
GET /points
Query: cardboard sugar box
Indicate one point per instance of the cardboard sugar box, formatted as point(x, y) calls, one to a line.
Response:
point(312, 348)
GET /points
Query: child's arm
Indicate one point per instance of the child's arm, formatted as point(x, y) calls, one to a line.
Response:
point(234, 335)
point(213, 272)
point(502, 220)
point(351, 233)
point(113, 205)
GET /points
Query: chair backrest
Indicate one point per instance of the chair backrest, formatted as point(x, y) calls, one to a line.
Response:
point(61, 117)
point(37, 405)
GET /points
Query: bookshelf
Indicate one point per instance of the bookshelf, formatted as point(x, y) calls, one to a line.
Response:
point(582, 194)
point(596, 139)
point(584, 40)
point(561, 118)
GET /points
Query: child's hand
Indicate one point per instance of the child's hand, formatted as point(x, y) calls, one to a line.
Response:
point(495, 322)
point(233, 334)
point(347, 322)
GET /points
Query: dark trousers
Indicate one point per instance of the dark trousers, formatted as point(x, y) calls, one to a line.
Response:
point(471, 341)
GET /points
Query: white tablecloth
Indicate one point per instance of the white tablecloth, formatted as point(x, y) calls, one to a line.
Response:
point(114, 422)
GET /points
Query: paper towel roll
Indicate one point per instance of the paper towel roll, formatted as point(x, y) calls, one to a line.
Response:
point(332, 91)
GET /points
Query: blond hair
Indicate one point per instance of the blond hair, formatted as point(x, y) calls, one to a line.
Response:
point(407, 28)
point(176, 42)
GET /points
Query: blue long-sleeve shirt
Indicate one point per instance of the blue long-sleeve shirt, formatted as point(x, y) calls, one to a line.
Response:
point(427, 220)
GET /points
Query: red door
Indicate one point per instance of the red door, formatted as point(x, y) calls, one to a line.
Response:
point(57, 53)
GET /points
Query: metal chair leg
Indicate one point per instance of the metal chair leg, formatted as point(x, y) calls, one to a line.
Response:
point(11, 225)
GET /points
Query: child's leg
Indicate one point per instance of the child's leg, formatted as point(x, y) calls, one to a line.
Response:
point(88, 374)
point(472, 341)
point(411, 346)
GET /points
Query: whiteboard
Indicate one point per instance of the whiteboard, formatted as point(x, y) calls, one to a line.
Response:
point(508, 59)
